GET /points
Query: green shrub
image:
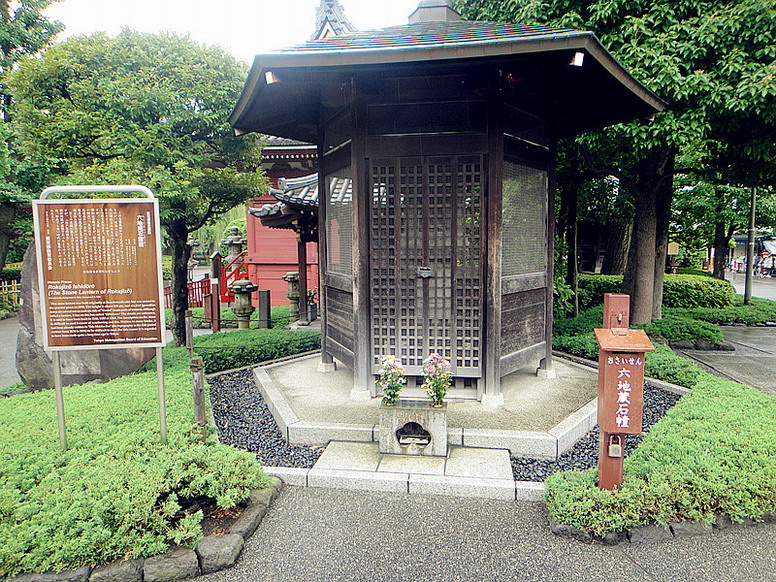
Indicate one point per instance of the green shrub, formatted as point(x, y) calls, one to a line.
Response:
point(758, 311)
point(675, 328)
point(591, 289)
point(686, 291)
point(11, 274)
point(234, 349)
point(712, 454)
point(664, 364)
point(583, 345)
point(117, 492)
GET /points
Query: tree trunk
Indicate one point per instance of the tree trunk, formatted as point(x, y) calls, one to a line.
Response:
point(617, 246)
point(639, 280)
point(665, 193)
point(720, 249)
point(178, 234)
point(7, 214)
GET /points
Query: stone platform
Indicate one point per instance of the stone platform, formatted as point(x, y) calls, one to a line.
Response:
point(541, 417)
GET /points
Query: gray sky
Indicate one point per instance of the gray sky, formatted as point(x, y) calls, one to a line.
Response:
point(243, 27)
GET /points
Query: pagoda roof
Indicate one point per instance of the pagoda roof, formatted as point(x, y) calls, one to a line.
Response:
point(282, 95)
point(330, 20)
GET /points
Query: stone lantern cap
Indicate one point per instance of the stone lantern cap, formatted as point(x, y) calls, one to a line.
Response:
point(242, 287)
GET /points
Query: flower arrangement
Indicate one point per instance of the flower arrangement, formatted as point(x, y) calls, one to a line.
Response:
point(312, 296)
point(392, 378)
point(436, 378)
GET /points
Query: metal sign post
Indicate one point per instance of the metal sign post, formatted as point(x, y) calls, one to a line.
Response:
point(100, 276)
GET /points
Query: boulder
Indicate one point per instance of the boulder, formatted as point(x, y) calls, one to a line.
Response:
point(647, 534)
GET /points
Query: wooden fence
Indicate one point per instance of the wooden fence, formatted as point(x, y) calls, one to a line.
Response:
point(197, 292)
point(10, 294)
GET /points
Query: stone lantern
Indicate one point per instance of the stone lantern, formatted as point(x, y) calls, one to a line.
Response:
point(292, 278)
point(234, 244)
point(242, 307)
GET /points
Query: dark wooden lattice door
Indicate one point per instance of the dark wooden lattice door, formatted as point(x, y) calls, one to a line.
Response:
point(426, 261)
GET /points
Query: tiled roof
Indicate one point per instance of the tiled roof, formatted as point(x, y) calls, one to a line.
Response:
point(330, 20)
point(303, 192)
point(427, 34)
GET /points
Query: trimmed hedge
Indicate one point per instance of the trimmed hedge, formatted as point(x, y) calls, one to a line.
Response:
point(687, 291)
point(117, 492)
point(712, 454)
point(234, 349)
point(278, 316)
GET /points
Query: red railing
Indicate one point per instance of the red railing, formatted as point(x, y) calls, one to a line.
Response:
point(197, 292)
point(232, 272)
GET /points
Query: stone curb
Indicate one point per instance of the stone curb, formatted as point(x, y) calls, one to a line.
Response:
point(543, 445)
point(652, 533)
point(213, 553)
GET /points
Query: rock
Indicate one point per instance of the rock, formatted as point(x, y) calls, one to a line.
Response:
point(682, 345)
point(690, 528)
point(176, 564)
point(78, 575)
point(612, 538)
point(268, 494)
point(725, 347)
point(118, 571)
point(569, 531)
point(219, 552)
point(769, 517)
point(647, 534)
point(723, 522)
point(78, 366)
point(249, 520)
point(704, 344)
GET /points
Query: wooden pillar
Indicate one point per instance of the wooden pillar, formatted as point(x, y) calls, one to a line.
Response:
point(491, 395)
point(363, 385)
point(301, 252)
point(327, 361)
point(545, 366)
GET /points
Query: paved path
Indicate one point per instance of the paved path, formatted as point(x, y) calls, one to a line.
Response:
point(329, 535)
point(765, 288)
point(753, 362)
point(9, 329)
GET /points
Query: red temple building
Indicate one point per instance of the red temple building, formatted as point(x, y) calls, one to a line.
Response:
point(285, 217)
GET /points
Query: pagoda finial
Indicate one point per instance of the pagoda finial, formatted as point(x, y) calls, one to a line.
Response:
point(330, 20)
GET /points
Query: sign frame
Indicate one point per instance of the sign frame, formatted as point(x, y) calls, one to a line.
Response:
point(158, 295)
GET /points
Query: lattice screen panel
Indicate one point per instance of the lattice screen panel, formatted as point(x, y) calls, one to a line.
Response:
point(425, 261)
point(524, 214)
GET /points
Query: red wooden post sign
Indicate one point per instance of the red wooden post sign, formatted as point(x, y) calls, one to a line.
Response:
point(620, 386)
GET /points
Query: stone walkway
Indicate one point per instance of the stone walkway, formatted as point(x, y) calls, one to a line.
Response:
point(753, 362)
point(332, 535)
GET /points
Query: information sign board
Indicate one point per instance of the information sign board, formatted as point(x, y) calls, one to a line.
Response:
point(99, 267)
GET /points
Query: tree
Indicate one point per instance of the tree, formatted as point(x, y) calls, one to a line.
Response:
point(147, 109)
point(713, 62)
point(23, 31)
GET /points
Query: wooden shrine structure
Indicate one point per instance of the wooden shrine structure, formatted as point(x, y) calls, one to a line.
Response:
point(445, 131)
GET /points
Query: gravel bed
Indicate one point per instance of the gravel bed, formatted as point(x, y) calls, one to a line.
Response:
point(584, 454)
point(244, 421)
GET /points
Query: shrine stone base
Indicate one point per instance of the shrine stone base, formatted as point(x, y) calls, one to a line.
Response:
point(413, 427)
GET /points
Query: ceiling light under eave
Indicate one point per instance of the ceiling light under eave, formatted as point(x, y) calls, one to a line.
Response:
point(577, 59)
point(271, 78)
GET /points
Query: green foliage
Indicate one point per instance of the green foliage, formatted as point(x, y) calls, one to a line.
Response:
point(562, 297)
point(678, 290)
point(712, 454)
point(278, 315)
point(664, 364)
point(234, 349)
point(758, 311)
point(675, 328)
point(11, 274)
point(117, 492)
point(145, 109)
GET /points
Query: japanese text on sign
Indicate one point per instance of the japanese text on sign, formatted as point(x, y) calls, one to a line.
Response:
point(622, 399)
point(100, 276)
